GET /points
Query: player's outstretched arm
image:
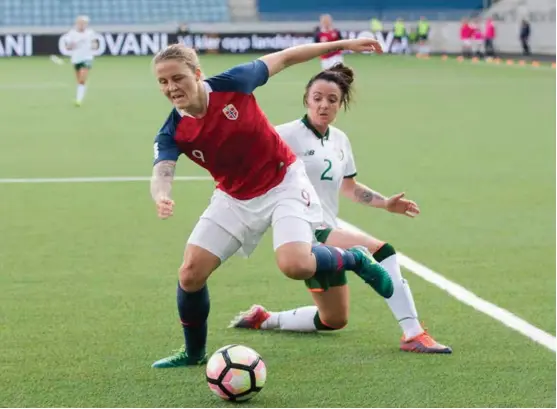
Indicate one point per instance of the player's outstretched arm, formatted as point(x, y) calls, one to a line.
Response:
point(278, 61)
point(161, 187)
point(360, 193)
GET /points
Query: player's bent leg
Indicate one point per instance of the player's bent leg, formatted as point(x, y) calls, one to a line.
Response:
point(333, 307)
point(295, 260)
point(292, 239)
point(208, 246)
point(330, 313)
point(401, 303)
point(298, 259)
point(344, 238)
point(371, 272)
point(415, 338)
point(324, 262)
point(196, 268)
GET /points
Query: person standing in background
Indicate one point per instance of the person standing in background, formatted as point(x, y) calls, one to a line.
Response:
point(183, 29)
point(400, 40)
point(489, 36)
point(466, 38)
point(325, 34)
point(375, 25)
point(423, 34)
point(477, 38)
point(525, 36)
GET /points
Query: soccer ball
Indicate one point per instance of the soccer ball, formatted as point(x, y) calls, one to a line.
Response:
point(236, 373)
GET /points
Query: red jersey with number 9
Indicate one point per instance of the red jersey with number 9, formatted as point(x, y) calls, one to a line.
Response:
point(234, 141)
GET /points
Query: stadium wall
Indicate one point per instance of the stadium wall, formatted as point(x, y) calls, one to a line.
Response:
point(257, 37)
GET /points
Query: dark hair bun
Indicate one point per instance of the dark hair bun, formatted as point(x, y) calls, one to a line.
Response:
point(343, 70)
point(339, 74)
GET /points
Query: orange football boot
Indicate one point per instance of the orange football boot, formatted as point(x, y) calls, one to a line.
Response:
point(425, 344)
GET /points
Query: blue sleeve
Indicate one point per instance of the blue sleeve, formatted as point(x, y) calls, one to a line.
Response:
point(165, 144)
point(241, 78)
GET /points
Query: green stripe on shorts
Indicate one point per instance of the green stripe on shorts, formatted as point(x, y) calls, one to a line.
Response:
point(323, 234)
point(83, 64)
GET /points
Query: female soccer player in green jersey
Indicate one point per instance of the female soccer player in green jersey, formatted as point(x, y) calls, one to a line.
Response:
point(330, 165)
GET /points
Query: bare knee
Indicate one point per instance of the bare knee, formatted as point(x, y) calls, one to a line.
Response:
point(297, 268)
point(196, 268)
point(191, 276)
point(193, 273)
point(295, 260)
point(334, 321)
point(333, 307)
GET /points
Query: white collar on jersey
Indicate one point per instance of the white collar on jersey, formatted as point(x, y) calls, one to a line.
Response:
point(208, 91)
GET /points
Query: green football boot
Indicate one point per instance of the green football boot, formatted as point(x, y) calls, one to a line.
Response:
point(179, 358)
point(373, 273)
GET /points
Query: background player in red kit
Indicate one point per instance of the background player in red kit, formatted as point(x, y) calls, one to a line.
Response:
point(466, 32)
point(217, 123)
point(328, 33)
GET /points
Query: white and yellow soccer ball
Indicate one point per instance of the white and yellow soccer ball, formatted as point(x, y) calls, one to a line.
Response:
point(236, 373)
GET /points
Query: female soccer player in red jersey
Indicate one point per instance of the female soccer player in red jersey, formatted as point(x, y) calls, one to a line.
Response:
point(327, 33)
point(332, 171)
point(218, 124)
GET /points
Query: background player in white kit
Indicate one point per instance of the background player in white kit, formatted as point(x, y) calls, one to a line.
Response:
point(327, 155)
point(80, 41)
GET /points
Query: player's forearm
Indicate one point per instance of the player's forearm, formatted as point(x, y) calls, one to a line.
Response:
point(299, 54)
point(360, 193)
point(161, 181)
point(306, 52)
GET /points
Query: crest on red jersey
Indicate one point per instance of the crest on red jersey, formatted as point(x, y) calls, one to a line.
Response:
point(230, 112)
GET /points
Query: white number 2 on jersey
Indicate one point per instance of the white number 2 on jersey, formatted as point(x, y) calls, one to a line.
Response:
point(325, 175)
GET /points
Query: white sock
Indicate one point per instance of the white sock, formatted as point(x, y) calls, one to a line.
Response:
point(299, 320)
point(402, 303)
point(80, 92)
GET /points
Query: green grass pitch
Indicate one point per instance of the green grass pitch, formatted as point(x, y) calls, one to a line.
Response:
point(88, 273)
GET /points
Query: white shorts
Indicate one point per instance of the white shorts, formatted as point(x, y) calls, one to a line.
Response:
point(327, 63)
point(229, 225)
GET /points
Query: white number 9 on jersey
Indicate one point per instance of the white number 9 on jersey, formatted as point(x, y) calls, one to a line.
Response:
point(306, 196)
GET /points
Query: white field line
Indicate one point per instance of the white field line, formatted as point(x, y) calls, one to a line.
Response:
point(455, 290)
point(467, 297)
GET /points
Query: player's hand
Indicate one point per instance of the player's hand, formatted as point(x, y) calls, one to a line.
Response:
point(398, 204)
point(361, 45)
point(165, 208)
